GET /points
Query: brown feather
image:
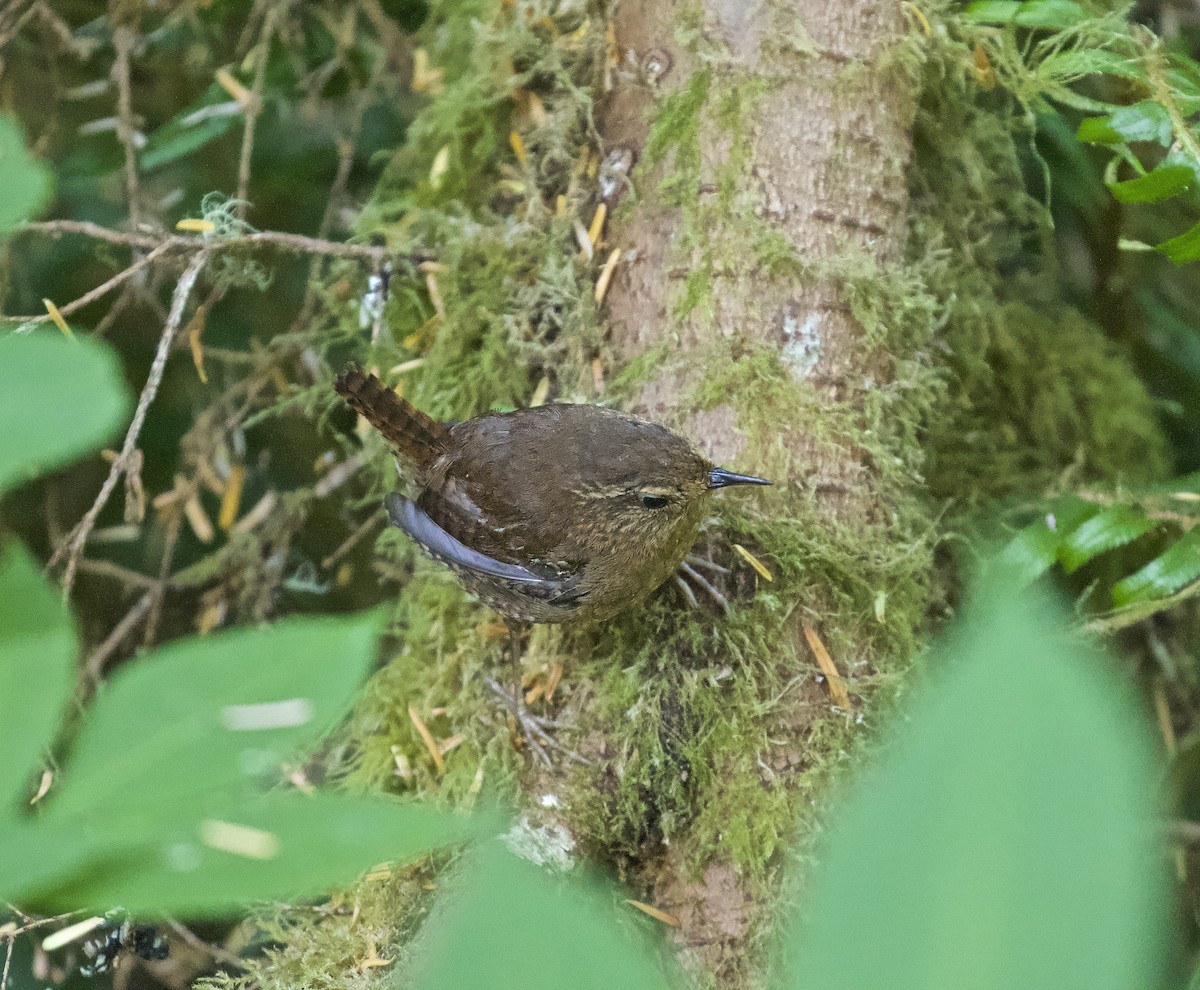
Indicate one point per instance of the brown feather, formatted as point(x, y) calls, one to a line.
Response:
point(417, 438)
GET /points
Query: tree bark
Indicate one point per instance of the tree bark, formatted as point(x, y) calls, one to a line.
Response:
point(823, 148)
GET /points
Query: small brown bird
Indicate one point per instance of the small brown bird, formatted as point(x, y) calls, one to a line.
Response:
point(560, 513)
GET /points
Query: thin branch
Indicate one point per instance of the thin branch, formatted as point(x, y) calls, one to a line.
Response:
point(348, 544)
point(251, 111)
point(123, 40)
point(93, 667)
point(294, 243)
point(124, 459)
point(174, 526)
point(215, 951)
point(291, 243)
point(338, 475)
point(103, 289)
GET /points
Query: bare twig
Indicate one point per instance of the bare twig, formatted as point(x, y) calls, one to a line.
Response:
point(103, 289)
point(93, 667)
point(292, 243)
point(338, 476)
point(174, 525)
point(251, 111)
point(215, 951)
point(348, 544)
point(124, 459)
point(123, 40)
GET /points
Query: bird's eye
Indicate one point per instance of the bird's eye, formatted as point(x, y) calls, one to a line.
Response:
point(653, 501)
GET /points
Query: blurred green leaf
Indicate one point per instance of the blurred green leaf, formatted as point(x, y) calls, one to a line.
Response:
point(992, 11)
point(214, 712)
point(1056, 14)
point(1104, 531)
point(1179, 565)
point(26, 183)
point(59, 399)
point(1030, 554)
point(1184, 248)
point(1075, 62)
point(1144, 121)
point(1005, 837)
point(204, 121)
point(480, 939)
point(278, 845)
point(1170, 178)
point(37, 667)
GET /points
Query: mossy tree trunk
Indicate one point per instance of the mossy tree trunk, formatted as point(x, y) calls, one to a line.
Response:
point(772, 151)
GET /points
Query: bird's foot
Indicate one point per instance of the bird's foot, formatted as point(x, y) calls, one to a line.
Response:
point(689, 570)
point(533, 727)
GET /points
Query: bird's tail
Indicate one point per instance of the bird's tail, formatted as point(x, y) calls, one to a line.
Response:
point(417, 437)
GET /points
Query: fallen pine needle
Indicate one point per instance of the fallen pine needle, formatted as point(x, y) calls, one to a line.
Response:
point(427, 739)
point(231, 498)
point(837, 687)
point(57, 318)
point(658, 914)
point(606, 275)
point(754, 562)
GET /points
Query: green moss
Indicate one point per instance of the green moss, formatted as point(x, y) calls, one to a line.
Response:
point(1035, 396)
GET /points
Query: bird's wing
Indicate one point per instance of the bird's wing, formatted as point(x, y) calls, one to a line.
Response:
point(539, 581)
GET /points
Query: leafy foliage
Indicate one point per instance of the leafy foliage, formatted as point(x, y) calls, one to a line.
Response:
point(1003, 837)
point(1151, 137)
point(1158, 525)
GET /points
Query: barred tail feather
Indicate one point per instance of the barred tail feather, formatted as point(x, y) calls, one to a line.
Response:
point(417, 437)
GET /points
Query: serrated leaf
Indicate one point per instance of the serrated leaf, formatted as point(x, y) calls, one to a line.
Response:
point(474, 940)
point(1170, 178)
point(37, 667)
point(212, 713)
point(1107, 530)
point(1144, 121)
point(1005, 837)
point(1179, 565)
point(275, 846)
point(25, 181)
point(59, 398)
point(1184, 248)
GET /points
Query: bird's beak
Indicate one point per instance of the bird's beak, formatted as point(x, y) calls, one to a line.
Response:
point(720, 478)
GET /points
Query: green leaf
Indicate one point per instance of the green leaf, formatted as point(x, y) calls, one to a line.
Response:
point(480, 939)
point(1005, 837)
point(1170, 178)
point(1029, 554)
point(26, 183)
point(1144, 121)
point(1053, 14)
point(178, 137)
point(213, 712)
point(992, 11)
point(59, 399)
point(1184, 248)
point(1166, 574)
point(37, 667)
point(278, 846)
point(1077, 62)
point(1105, 531)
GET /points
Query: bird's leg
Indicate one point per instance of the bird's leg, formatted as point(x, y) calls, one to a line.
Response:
point(533, 727)
point(686, 566)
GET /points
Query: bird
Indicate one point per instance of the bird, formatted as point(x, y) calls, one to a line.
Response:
point(559, 513)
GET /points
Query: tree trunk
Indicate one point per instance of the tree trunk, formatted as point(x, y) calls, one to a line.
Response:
point(772, 156)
